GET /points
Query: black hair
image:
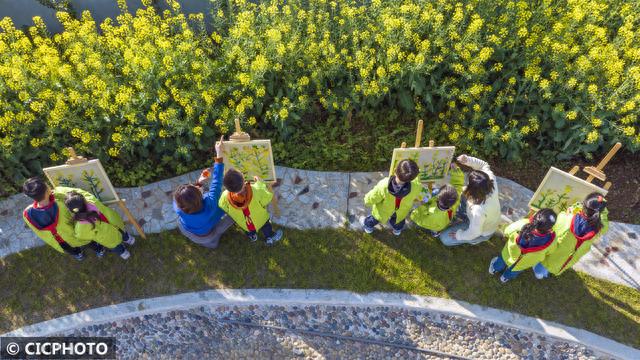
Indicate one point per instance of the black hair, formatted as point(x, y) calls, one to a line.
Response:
point(479, 187)
point(188, 197)
point(447, 197)
point(77, 205)
point(542, 221)
point(35, 188)
point(407, 170)
point(593, 205)
point(233, 180)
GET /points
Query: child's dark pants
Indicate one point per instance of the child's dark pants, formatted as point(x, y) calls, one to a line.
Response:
point(267, 230)
point(370, 221)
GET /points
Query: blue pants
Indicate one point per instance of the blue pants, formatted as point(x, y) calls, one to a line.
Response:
point(267, 230)
point(370, 221)
point(507, 272)
point(540, 271)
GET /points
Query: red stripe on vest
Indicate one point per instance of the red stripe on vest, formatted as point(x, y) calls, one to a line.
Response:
point(450, 213)
point(247, 216)
point(579, 240)
point(398, 201)
point(535, 248)
point(50, 228)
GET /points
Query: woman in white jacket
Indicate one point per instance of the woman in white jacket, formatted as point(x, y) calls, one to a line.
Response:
point(482, 206)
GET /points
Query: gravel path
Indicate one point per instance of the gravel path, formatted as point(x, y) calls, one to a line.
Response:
point(324, 332)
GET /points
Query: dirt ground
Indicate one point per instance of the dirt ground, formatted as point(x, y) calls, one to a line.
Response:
point(623, 171)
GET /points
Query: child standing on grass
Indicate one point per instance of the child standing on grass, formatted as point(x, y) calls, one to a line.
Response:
point(392, 198)
point(96, 222)
point(578, 228)
point(437, 213)
point(246, 204)
point(51, 221)
point(528, 242)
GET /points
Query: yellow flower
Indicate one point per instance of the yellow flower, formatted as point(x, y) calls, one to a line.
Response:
point(198, 130)
point(116, 137)
point(596, 122)
point(163, 133)
point(571, 115)
point(54, 157)
point(505, 137)
point(512, 80)
point(593, 89)
point(113, 152)
point(284, 113)
point(252, 120)
point(629, 131)
point(592, 137)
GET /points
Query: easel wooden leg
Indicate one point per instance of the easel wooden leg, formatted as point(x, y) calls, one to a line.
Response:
point(132, 220)
point(274, 201)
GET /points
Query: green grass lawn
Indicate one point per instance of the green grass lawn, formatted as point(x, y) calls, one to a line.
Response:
point(41, 284)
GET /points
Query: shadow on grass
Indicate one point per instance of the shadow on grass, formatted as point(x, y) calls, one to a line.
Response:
point(40, 284)
point(573, 299)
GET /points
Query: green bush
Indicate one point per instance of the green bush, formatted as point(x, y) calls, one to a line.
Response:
point(149, 93)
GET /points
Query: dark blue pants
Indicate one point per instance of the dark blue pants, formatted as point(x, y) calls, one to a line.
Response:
point(267, 230)
point(370, 221)
point(501, 266)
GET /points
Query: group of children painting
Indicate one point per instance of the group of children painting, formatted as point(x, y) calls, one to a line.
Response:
point(546, 242)
point(71, 220)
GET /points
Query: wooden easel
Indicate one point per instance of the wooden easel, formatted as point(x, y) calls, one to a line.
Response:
point(241, 136)
point(74, 159)
point(596, 172)
point(417, 144)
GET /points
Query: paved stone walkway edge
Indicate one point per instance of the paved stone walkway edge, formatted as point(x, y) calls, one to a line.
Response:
point(325, 297)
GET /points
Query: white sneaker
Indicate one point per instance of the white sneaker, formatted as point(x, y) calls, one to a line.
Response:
point(125, 255)
point(130, 240)
point(493, 261)
point(397, 232)
point(503, 279)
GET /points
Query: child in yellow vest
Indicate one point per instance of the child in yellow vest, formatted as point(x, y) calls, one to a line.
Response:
point(392, 198)
point(437, 213)
point(51, 221)
point(246, 204)
point(529, 241)
point(96, 222)
point(578, 228)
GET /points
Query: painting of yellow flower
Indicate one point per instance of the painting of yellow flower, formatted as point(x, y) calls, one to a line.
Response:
point(251, 158)
point(559, 190)
point(433, 162)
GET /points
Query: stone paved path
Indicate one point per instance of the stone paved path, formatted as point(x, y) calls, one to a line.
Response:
point(224, 332)
point(312, 199)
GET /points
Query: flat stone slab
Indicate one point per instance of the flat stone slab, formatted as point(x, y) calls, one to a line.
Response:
point(229, 323)
point(312, 199)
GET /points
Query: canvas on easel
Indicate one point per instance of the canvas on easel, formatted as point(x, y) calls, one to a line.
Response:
point(251, 158)
point(559, 190)
point(433, 162)
point(89, 175)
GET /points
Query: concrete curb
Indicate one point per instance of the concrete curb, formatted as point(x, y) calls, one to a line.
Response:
point(326, 297)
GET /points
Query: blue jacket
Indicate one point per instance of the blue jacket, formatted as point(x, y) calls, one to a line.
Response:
point(202, 222)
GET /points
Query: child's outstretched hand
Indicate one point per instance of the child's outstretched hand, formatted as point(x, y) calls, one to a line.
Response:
point(219, 147)
point(462, 159)
point(256, 179)
point(453, 166)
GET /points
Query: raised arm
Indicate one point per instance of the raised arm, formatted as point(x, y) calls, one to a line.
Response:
point(215, 187)
point(476, 164)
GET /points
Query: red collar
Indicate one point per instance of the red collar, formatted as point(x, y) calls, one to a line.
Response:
point(51, 227)
point(536, 248)
point(52, 199)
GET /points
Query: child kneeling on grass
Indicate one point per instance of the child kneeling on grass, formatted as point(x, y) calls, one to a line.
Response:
point(529, 241)
point(246, 204)
point(437, 213)
point(97, 222)
point(392, 198)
